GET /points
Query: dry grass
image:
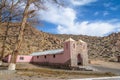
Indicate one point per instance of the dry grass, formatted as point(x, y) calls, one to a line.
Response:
point(46, 72)
point(62, 74)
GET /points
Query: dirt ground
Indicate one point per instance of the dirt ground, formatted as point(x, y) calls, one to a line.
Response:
point(27, 71)
point(113, 65)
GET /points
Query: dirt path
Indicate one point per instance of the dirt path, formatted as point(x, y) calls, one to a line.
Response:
point(113, 67)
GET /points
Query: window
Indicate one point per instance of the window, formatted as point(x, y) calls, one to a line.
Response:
point(37, 57)
point(45, 56)
point(53, 56)
point(21, 58)
point(73, 45)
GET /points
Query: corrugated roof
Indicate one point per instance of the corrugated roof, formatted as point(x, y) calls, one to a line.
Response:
point(56, 51)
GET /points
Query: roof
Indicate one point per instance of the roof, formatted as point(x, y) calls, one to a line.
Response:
point(81, 41)
point(70, 39)
point(56, 51)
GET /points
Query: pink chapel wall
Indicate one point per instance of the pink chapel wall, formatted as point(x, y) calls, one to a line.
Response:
point(67, 50)
point(52, 58)
point(39, 58)
point(20, 58)
point(71, 50)
point(27, 58)
point(63, 57)
point(59, 58)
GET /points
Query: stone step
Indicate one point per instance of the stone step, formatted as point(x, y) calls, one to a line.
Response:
point(87, 68)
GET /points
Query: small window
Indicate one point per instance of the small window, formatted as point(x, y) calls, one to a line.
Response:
point(21, 58)
point(73, 45)
point(45, 56)
point(53, 56)
point(37, 57)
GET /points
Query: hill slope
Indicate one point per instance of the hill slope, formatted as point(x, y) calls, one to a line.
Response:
point(99, 47)
point(34, 40)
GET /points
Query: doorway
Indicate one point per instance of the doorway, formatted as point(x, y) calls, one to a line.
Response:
point(79, 59)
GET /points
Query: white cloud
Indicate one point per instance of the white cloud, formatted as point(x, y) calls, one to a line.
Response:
point(111, 6)
point(58, 15)
point(96, 13)
point(65, 18)
point(87, 28)
point(81, 2)
point(107, 4)
point(105, 13)
point(114, 8)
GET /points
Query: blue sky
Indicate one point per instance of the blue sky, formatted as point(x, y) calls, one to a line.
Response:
point(86, 17)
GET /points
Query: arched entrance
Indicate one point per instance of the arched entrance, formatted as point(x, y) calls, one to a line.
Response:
point(79, 59)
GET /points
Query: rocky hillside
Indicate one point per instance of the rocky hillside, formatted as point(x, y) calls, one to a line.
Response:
point(34, 40)
point(106, 48)
point(99, 47)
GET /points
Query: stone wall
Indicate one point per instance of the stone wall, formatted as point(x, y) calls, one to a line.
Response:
point(78, 48)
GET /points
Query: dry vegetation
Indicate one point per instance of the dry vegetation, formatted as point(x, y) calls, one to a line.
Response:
point(106, 48)
point(26, 71)
point(60, 73)
point(33, 71)
point(34, 40)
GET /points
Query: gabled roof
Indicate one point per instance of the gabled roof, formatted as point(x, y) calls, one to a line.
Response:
point(56, 51)
point(70, 39)
point(81, 41)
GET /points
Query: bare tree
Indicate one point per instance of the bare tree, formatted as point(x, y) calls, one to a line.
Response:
point(9, 13)
point(5, 20)
point(23, 17)
point(2, 5)
point(26, 14)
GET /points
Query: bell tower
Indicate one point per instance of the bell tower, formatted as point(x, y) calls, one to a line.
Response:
point(70, 50)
